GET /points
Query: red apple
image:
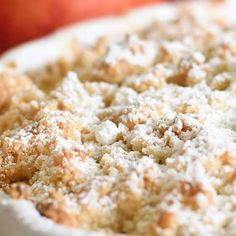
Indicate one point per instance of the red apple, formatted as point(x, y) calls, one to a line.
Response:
point(22, 20)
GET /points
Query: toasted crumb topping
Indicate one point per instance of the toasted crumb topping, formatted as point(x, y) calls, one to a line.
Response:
point(135, 137)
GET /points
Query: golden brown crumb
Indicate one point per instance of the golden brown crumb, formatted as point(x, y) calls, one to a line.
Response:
point(18, 190)
point(166, 220)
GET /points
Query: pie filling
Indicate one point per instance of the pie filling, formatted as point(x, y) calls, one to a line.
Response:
point(135, 137)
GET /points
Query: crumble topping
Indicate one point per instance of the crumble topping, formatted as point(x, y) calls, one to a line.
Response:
point(136, 137)
point(133, 51)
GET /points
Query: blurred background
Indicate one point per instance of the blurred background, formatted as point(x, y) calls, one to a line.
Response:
point(24, 20)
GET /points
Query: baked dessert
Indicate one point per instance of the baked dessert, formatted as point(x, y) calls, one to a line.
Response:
point(129, 130)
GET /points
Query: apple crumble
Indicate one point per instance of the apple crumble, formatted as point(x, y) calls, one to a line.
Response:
point(130, 137)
